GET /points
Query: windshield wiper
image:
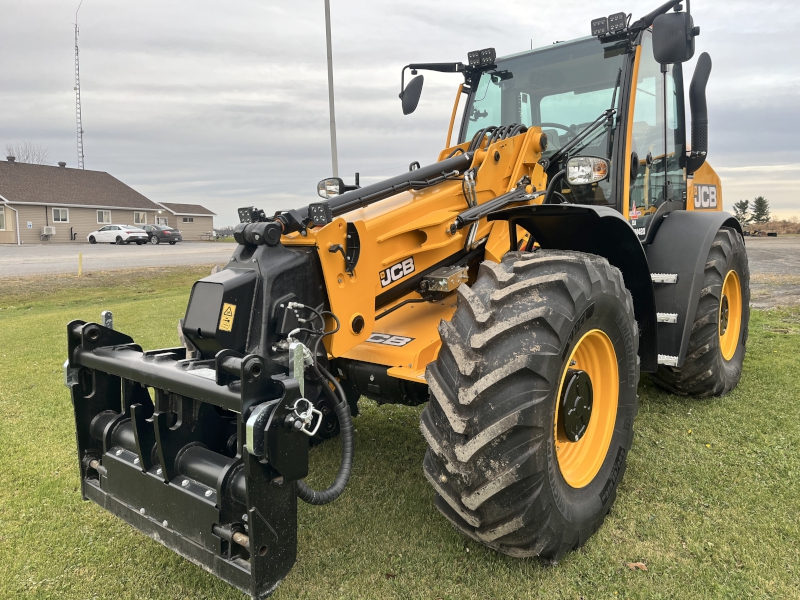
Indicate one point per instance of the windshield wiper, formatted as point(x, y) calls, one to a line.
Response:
point(607, 117)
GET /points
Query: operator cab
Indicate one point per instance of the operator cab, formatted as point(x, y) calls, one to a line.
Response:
point(562, 89)
point(615, 98)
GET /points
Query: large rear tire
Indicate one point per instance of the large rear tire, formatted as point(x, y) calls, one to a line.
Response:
point(505, 405)
point(716, 350)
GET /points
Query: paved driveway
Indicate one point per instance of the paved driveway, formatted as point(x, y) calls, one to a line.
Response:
point(19, 261)
point(774, 262)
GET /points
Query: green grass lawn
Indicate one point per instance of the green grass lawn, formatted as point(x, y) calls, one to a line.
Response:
point(710, 502)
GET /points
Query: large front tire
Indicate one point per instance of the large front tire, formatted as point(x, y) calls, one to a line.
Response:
point(500, 457)
point(716, 349)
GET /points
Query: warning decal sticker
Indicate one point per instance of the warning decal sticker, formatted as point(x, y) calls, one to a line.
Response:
point(226, 320)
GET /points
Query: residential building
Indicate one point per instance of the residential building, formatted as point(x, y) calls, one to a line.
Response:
point(194, 221)
point(46, 204)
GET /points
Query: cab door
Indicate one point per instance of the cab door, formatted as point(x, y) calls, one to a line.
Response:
point(657, 140)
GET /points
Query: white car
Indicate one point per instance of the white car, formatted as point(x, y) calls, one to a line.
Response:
point(118, 234)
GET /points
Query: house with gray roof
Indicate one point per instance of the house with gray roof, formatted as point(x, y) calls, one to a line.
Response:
point(195, 221)
point(46, 204)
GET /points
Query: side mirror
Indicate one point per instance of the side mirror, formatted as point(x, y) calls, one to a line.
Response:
point(583, 170)
point(410, 95)
point(328, 188)
point(673, 38)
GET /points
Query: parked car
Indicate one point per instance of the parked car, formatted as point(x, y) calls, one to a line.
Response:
point(118, 234)
point(162, 233)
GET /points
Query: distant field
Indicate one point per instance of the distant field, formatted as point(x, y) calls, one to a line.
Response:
point(709, 503)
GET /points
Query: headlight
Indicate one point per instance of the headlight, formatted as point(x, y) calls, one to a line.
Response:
point(328, 188)
point(582, 170)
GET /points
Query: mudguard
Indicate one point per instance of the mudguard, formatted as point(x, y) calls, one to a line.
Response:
point(681, 247)
point(596, 230)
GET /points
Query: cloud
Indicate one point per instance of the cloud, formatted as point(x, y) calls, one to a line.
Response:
point(226, 104)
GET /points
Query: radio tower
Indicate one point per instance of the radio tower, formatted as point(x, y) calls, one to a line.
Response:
point(78, 93)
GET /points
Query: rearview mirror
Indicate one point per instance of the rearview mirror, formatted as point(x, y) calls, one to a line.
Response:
point(410, 95)
point(673, 38)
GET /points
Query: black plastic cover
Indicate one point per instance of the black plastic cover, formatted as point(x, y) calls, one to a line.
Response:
point(218, 315)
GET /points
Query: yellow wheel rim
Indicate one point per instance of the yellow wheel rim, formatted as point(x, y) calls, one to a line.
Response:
point(730, 315)
point(580, 461)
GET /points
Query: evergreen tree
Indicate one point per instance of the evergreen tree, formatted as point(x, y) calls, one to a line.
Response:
point(760, 210)
point(740, 210)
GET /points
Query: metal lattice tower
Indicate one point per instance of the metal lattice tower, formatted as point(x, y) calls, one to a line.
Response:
point(78, 94)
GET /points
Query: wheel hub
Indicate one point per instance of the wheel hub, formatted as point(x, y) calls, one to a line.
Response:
point(724, 315)
point(576, 404)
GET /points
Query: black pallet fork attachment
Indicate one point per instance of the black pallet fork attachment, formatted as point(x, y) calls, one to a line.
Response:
point(207, 465)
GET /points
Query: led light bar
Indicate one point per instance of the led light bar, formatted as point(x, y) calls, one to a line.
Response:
point(600, 26)
point(609, 25)
point(482, 58)
point(616, 22)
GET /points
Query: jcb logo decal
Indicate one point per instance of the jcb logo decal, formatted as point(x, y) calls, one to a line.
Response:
point(389, 340)
point(397, 272)
point(705, 197)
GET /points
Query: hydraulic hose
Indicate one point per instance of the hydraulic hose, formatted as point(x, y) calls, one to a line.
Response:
point(551, 189)
point(318, 498)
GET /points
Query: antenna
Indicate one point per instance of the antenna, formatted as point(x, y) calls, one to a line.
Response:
point(78, 94)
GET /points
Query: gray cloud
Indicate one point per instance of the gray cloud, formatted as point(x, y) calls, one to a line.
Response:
point(226, 105)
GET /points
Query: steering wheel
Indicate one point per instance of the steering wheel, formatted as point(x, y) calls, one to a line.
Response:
point(566, 128)
point(570, 131)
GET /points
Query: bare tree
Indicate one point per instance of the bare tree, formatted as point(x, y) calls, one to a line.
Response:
point(28, 152)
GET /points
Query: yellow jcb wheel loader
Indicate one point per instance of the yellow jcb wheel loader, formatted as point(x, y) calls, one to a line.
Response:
point(565, 241)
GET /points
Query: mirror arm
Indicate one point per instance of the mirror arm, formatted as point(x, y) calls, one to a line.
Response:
point(440, 67)
point(648, 19)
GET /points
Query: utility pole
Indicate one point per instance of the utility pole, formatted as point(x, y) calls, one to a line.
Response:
point(78, 94)
point(334, 154)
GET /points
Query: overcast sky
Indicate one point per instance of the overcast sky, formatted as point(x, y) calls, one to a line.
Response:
point(225, 104)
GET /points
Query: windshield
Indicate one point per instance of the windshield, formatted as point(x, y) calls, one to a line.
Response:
point(562, 89)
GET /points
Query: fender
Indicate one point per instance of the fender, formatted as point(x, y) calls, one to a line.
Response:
point(596, 230)
point(681, 246)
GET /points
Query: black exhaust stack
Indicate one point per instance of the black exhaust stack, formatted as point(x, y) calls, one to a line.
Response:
point(699, 108)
